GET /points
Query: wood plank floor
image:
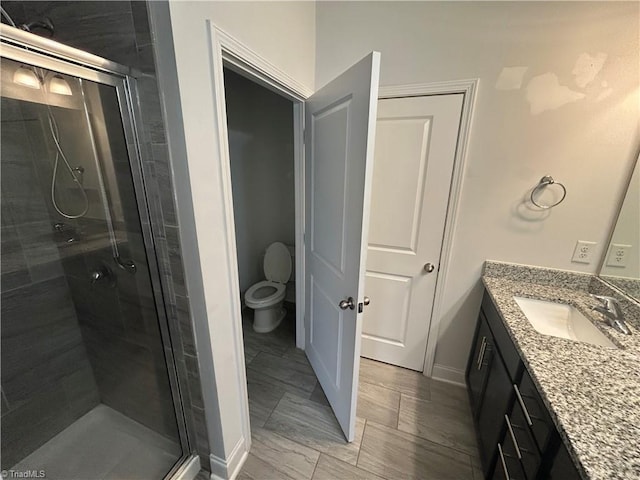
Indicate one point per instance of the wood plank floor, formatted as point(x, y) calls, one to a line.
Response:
point(408, 426)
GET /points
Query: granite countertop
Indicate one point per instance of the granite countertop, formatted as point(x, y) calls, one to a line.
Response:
point(592, 392)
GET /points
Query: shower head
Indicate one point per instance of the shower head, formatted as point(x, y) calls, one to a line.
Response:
point(37, 26)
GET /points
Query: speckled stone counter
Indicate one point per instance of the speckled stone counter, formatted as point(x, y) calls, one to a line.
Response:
point(592, 392)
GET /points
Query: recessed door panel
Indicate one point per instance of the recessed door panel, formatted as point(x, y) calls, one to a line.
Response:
point(402, 145)
point(389, 313)
point(325, 332)
point(329, 167)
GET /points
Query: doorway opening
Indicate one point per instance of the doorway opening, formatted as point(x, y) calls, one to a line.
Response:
point(280, 380)
point(261, 151)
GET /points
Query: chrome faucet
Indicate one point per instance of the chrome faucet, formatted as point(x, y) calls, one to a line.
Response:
point(612, 313)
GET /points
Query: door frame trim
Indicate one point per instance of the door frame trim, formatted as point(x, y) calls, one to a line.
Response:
point(227, 51)
point(469, 88)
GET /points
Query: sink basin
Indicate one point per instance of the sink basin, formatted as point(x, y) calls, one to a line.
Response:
point(561, 320)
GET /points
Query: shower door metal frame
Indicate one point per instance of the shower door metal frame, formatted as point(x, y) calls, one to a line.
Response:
point(24, 47)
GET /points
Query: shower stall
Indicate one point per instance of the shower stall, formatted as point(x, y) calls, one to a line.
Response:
point(90, 388)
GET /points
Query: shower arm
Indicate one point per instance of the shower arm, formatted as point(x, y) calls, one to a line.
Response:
point(127, 265)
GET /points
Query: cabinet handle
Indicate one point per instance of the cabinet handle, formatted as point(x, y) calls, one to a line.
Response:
point(483, 347)
point(504, 464)
point(524, 408)
point(513, 438)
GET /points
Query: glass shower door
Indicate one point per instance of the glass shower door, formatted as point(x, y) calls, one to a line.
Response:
point(89, 388)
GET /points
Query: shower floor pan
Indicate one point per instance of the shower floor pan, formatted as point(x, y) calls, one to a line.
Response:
point(103, 444)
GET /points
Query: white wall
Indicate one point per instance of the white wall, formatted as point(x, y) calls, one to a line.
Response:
point(588, 144)
point(627, 232)
point(284, 33)
point(260, 125)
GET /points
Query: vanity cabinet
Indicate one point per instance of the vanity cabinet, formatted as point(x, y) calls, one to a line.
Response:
point(516, 436)
point(495, 401)
point(562, 467)
point(478, 369)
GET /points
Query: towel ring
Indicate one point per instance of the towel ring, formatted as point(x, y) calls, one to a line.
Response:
point(545, 181)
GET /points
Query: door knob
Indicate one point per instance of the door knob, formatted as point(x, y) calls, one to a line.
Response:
point(429, 267)
point(367, 301)
point(348, 303)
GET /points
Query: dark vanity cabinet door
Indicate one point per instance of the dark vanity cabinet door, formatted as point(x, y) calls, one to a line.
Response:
point(478, 367)
point(562, 467)
point(497, 399)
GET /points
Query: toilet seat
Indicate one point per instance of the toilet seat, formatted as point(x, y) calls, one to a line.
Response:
point(266, 297)
point(257, 297)
point(277, 263)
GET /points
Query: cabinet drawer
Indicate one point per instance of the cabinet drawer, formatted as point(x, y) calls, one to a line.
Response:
point(498, 398)
point(502, 339)
point(508, 466)
point(529, 454)
point(529, 399)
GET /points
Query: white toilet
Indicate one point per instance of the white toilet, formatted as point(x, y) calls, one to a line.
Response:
point(266, 297)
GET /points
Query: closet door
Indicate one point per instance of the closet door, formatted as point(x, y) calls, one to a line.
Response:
point(340, 124)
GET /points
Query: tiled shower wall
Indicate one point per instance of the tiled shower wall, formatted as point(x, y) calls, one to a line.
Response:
point(47, 380)
point(120, 31)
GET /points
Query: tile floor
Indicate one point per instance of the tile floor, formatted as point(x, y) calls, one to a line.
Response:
point(408, 426)
point(103, 445)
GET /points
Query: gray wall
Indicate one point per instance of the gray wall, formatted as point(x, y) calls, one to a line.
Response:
point(120, 32)
point(47, 380)
point(260, 125)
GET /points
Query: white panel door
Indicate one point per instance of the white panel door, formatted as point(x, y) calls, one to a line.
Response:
point(340, 124)
point(414, 155)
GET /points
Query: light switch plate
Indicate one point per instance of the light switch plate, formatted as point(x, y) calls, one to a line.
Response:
point(618, 255)
point(583, 252)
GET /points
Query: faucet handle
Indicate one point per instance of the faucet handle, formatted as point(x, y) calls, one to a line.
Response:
point(603, 299)
point(609, 303)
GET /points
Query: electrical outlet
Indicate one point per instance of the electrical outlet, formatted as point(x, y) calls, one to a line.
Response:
point(583, 252)
point(618, 255)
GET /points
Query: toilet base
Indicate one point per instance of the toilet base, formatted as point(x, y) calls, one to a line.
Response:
point(266, 320)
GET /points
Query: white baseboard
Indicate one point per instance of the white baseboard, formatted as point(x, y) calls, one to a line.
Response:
point(239, 465)
point(228, 469)
point(448, 374)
